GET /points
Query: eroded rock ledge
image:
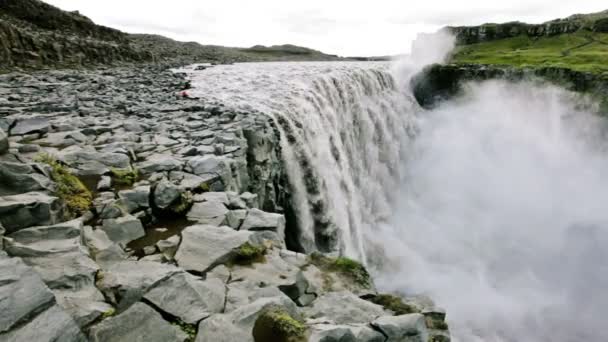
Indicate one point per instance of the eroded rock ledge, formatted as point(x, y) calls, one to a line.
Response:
point(130, 211)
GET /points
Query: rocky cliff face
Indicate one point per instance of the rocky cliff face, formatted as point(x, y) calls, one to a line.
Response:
point(35, 35)
point(596, 22)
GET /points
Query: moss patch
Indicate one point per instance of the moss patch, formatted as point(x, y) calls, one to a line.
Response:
point(182, 205)
point(248, 254)
point(277, 325)
point(189, 329)
point(111, 312)
point(76, 197)
point(393, 303)
point(344, 266)
point(125, 177)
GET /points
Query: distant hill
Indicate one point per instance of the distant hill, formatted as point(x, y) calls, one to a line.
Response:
point(35, 35)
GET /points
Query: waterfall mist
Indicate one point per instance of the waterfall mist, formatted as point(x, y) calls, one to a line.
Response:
point(501, 216)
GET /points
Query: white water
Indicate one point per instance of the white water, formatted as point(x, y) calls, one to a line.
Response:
point(493, 204)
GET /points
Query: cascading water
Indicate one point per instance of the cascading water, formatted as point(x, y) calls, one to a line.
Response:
point(492, 204)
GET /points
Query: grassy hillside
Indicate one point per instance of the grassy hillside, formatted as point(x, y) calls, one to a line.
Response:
point(579, 42)
point(581, 51)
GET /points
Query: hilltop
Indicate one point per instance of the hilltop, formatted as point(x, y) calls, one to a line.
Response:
point(36, 35)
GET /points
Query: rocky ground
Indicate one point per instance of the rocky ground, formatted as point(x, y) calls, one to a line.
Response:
point(132, 213)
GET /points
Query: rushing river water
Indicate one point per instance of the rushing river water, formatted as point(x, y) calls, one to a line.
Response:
point(493, 204)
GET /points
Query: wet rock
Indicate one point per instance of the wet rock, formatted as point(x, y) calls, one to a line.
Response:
point(187, 297)
point(257, 220)
point(4, 144)
point(28, 209)
point(123, 229)
point(204, 246)
point(407, 328)
point(139, 323)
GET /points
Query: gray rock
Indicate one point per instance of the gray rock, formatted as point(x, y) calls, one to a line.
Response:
point(123, 229)
point(165, 194)
point(31, 125)
point(139, 323)
point(241, 292)
point(211, 165)
point(238, 324)
point(251, 200)
point(125, 282)
point(404, 328)
point(159, 163)
point(28, 209)
point(91, 162)
point(135, 199)
point(343, 308)
point(344, 333)
point(28, 311)
point(105, 183)
point(188, 297)
point(17, 178)
point(204, 246)
point(169, 246)
point(235, 218)
point(259, 220)
point(212, 196)
point(213, 213)
point(4, 145)
point(149, 250)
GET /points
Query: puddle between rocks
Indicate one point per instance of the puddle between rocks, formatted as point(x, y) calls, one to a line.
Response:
point(172, 225)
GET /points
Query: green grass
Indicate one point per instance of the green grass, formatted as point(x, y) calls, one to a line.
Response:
point(581, 51)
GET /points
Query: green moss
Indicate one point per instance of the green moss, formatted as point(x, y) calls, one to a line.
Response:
point(277, 325)
point(125, 177)
point(204, 187)
point(183, 205)
point(76, 197)
point(344, 266)
point(581, 51)
point(393, 303)
point(189, 329)
point(111, 312)
point(248, 254)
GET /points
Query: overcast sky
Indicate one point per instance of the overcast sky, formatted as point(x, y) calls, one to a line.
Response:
point(344, 27)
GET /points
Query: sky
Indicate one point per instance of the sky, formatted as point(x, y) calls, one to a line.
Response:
point(345, 28)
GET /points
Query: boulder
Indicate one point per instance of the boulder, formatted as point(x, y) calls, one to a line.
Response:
point(238, 324)
point(90, 162)
point(165, 194)
point(403, 328)
point(235, 218)
point(28, 209)
point(169, 246)
point(213, 213)
point(3, 142)
point(139, 323)
point(123, 229)
point(344, 333)
point(260, 220)
point(125, 282)
point(188, 297)
point(135, 199)
point(204, 246)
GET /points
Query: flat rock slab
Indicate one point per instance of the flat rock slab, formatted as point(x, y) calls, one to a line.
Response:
point(406, 328)
point(344, 333)
point(260, 220)
point(140, 323)
point(344, 308)
point(29, 209)
point(31, 125)
point(123, 229)
point(205, 246)
point(211, 212)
